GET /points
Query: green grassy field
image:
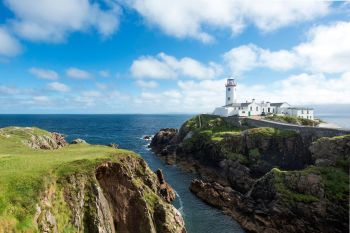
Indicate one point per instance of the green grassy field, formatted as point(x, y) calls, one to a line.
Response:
point(25, 172)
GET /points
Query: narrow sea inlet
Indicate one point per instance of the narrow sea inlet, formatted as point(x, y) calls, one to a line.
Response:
point(127, 131)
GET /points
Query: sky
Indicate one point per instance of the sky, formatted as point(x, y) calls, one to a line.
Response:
point(165, 56)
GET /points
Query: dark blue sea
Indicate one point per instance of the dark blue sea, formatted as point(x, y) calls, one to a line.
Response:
point(127, 131)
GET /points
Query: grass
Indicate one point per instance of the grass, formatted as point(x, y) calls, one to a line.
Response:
point(209, 122)
point(26, 172)
point(293, 120)
point(287, 194)
point(270, 132)
point(334, 180)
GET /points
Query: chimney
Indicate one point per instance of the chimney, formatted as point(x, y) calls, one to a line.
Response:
point(253, 100)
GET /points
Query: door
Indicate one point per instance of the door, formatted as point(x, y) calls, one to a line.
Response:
point(249, 113)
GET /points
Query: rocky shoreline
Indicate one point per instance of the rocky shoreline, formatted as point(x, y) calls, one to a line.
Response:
point(268, 180)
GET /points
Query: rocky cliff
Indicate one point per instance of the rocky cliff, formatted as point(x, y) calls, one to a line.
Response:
point(269, 180)
point(48, 185)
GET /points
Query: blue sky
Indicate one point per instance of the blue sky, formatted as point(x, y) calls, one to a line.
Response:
point(148, 56)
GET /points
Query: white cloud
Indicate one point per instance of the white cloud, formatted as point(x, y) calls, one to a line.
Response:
point(44, 73)
point(9, 46)
point(78, 73)
point(184, 18)
point(146, 84)
point(52, 21)
point(327, 49)
point(248, 57)
point(57, 86)
point(164, 66)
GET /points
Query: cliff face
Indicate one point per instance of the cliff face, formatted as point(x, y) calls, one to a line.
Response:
point(80, 188)
point(269, 180)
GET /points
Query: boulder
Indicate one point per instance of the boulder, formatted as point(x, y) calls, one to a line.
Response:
point(147, 137)
point(78, 141)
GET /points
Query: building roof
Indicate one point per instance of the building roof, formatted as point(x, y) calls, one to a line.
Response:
point(301, 108)
point(278, 104)
point(234, 105)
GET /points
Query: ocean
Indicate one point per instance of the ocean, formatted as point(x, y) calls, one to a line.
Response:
point(127, 131)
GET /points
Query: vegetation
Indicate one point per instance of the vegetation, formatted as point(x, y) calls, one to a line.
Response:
point(334, 180)
point(209, 122)
point(288, 194)
point(25, 174)
point(293, 120)
point(270, 132)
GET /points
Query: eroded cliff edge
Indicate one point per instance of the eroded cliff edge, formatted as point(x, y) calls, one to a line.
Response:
point(48, 185)
point(269, 180)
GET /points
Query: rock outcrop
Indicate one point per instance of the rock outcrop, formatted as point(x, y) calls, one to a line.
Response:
point(122, 197)
point(78, 141)
point(330, 151)
point(269, 180)
point(42, 140)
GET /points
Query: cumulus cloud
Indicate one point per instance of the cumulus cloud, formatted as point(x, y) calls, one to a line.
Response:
point(57, 86)
point(184, 18)
point(247, 57)
point(44, 73)
point(327, 49)
point(78, 73)
point(52, 21)
point(146, 84)
point(9, 46)
point(164, 66)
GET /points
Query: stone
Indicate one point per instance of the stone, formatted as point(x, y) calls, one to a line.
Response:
point(78, 141)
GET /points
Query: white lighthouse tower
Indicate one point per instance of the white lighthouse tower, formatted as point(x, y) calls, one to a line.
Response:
point(231, 91)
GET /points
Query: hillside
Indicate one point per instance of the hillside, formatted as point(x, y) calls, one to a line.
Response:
point(48, 185)
point(269, 180)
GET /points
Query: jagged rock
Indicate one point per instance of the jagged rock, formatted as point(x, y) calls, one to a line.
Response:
point(237, 175)
point(163, 138)
point(78, 141)
point(147, 137)
point(164, 189)
point(329, 151)
point(47, 142)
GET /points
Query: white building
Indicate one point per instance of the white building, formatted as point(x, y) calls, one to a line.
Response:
point(253, 108)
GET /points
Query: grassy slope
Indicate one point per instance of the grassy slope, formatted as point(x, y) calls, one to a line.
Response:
point(25, 172)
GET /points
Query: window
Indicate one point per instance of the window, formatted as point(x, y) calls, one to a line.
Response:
point(251, 108)
point(307, 111)
point(268, 109)
point(302, 111)
point(257, 108)
point(228, 98)
point(228, 89)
